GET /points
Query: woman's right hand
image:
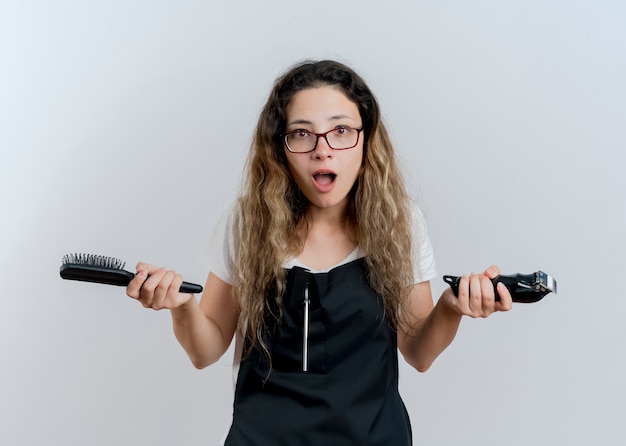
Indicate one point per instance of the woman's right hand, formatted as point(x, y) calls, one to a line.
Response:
point(157, 288)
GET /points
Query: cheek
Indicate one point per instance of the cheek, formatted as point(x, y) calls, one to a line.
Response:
point(353, 171)
point(361, 162)
point(295, 170)
point(289, 160)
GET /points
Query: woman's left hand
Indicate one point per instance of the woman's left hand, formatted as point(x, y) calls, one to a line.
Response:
point(476, 295)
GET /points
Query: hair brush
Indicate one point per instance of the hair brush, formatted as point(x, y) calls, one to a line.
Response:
point(106, 270)
point(525, 288)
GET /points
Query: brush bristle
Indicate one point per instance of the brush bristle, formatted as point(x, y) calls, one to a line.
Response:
point(94, 260)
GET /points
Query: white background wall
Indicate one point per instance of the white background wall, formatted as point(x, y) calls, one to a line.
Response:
point(123, 130)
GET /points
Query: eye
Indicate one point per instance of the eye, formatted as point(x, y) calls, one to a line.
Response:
point(343, 131)
point(299, 134)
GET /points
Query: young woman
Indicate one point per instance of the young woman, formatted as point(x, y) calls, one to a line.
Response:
point(322, 271)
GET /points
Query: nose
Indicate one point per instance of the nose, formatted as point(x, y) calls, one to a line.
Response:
point(322, 149)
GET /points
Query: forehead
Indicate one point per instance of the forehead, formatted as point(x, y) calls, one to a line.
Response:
point(320, 105)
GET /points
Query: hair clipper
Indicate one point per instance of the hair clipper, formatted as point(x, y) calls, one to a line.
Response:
point(525, 288)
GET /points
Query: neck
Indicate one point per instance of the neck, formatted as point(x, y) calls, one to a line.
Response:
point(327, 237)
point(333, 217)
point(328, 222)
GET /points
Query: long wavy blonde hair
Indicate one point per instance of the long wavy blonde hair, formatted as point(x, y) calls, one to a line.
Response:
point(272, 210)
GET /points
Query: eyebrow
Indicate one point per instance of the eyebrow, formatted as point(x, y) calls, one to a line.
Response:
point(332, 118)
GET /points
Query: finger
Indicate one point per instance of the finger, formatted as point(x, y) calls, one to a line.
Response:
point(177, 298)
point(506, 300)
point(492, 272)
point(164, 290)
point(166, 294)
point(147, 267)
point(475, 300)
point(134, 286)
point(463, 295)
point(177, 282)
point(173, 298)
point(488, 296)
point(150, 285)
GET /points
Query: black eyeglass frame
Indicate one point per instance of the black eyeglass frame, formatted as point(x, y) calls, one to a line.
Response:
point(317, 135)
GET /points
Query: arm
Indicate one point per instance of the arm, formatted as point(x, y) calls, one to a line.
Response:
point(425, 330)
point(205, 329)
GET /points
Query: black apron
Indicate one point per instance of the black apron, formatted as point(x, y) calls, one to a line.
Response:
point(349, 393)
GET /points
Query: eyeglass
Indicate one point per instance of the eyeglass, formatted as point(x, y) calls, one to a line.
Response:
point(303, 141)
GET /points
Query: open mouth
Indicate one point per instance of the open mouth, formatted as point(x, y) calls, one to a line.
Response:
point(325, 178)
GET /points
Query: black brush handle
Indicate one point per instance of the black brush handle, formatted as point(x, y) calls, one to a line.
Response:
point(188, 287)
point(109, 276)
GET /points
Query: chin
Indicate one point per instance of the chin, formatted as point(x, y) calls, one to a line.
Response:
point(329, 203)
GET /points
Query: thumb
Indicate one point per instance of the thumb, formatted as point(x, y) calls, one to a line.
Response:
point(492, 272)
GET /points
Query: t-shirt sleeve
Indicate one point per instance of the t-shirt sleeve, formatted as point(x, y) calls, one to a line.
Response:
point(423, 258)
point(220, 254)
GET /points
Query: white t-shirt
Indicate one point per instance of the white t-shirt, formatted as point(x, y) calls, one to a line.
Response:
point(221, 256)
